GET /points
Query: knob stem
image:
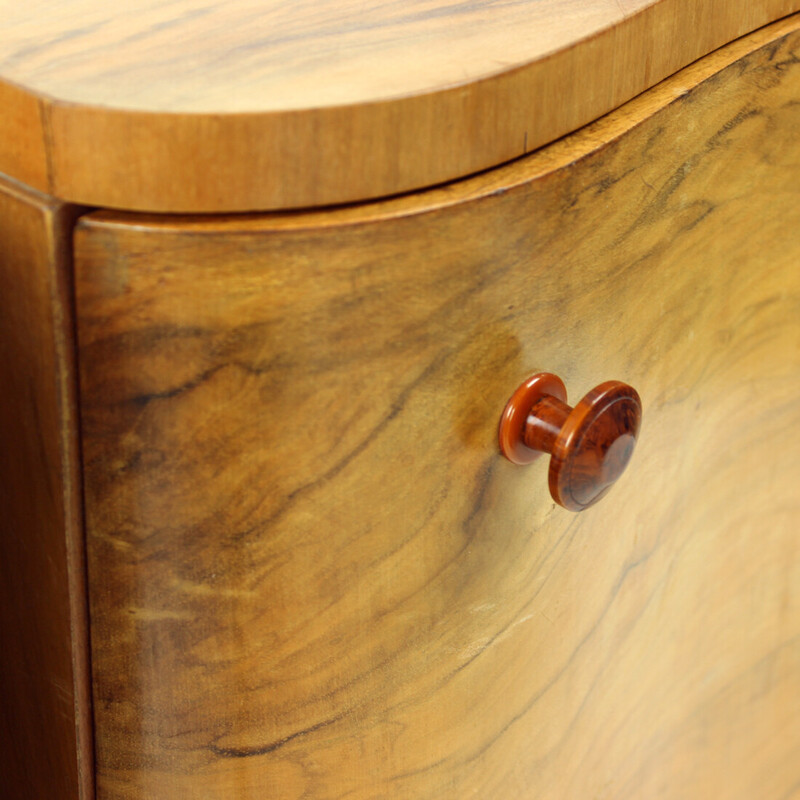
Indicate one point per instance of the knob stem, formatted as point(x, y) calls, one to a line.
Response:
point(545, 419)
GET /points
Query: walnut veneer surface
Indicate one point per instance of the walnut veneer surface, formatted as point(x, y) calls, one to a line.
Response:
point(330, 101)
point(313, 576)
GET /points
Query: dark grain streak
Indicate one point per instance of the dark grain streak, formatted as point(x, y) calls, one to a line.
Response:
point(793, 791)
point(557, 676)
point(261, 750)
point(585, 639)
point(328, 475)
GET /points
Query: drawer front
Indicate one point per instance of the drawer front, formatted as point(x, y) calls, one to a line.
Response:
point(312, 575)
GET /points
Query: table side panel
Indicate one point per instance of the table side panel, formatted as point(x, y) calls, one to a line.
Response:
point(45, 725)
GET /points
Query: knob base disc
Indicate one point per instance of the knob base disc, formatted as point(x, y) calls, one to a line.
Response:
point(512, 423)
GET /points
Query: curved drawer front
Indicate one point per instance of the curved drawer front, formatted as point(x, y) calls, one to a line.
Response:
point(312, 573)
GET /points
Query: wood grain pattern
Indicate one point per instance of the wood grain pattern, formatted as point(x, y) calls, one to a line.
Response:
point(45, 718)
point(314, 576)
point(186, 106)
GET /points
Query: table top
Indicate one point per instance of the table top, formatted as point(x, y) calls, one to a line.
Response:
point(188, 106)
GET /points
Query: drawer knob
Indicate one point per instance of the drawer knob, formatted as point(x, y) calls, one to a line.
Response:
point(589, 445)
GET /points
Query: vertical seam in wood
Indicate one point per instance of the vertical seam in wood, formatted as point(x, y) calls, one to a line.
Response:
point(47, 136)
point(65, 324)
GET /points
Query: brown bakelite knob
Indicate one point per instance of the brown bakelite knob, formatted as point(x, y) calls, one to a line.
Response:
point(590, 445)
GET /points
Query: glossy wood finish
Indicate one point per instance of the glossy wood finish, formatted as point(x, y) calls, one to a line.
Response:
point(45, 719)
point(325, 102)
point(314, 576)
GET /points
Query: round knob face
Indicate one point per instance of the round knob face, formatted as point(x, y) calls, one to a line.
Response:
point(594, 445)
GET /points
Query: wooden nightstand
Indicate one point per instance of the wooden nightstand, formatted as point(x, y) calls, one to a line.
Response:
point(259, 539)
